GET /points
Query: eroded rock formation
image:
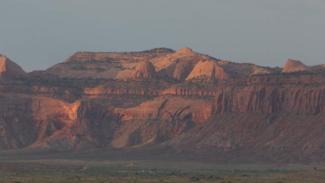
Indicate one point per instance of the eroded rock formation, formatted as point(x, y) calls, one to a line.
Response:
point(183, 101)
point(294, 66)
point(9, 68)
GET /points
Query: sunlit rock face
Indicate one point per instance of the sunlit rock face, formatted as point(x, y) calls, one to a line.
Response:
point(183, 102)
point(294, 66)
point(9, 68)
point(208, 70)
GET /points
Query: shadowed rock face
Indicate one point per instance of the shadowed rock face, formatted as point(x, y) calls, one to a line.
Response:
point(182, 101)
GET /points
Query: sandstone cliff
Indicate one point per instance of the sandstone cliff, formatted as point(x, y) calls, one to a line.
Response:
point(9, 68)
point(182, 101)
point(294, 66)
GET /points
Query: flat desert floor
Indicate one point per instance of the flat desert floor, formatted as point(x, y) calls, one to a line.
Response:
point(94, 168)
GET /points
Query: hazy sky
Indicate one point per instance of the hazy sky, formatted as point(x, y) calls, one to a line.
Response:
point(39, 33)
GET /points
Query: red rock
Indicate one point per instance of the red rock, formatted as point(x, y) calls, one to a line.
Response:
point(159, 100)
point(207, 70)
point(9, 68)
point(294, 66)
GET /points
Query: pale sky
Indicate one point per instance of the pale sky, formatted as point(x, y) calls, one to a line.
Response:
point(40, 33)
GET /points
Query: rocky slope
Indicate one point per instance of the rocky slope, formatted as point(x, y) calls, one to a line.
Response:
point(161, 100)
point(294, 66)
point(9, 68)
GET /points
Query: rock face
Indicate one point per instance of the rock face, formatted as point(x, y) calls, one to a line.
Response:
point(208, 71)
point(160, 100)
point(9, 68)
point(141, 71)
point(145, 70)
point(106, 65)
point(294, 66)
